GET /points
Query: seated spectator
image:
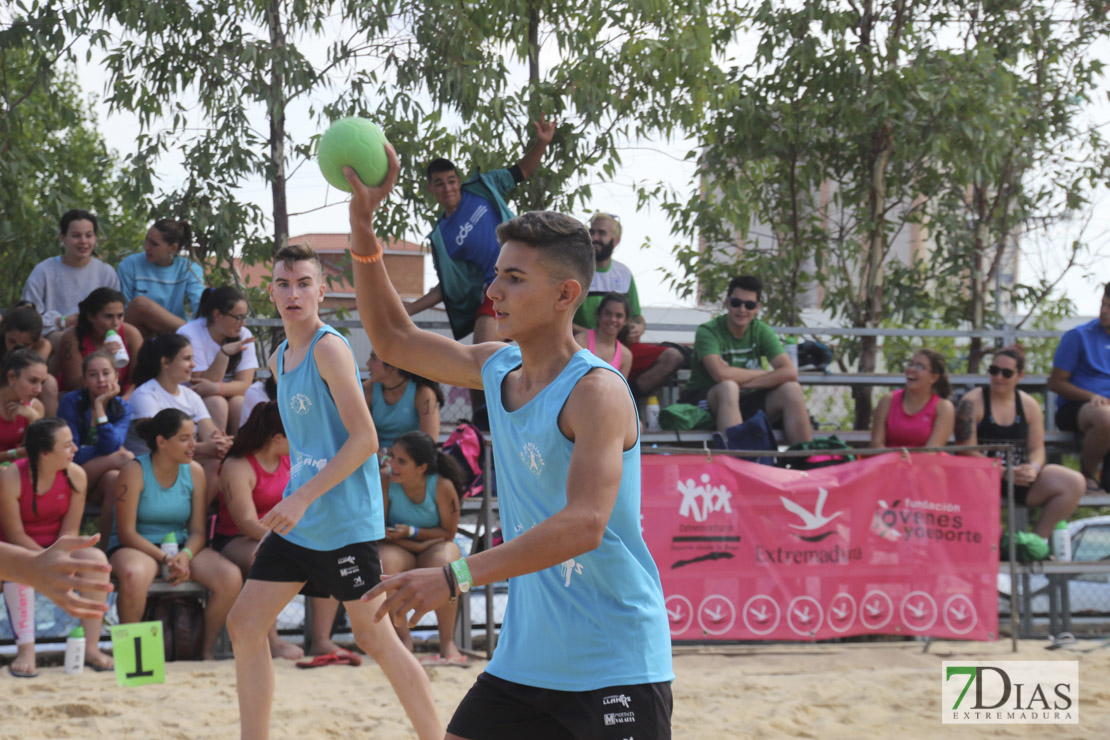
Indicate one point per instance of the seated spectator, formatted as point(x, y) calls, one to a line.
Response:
point(260, 391)
point(57, 284)
point(100, 313)
point(99, 420)
point(159, 493)
point(727, 376)
point(421, 490)
point(42, 498)
point(21, 328)
point(165, 366)
point(919, 415)
point(223, 350)
point(604, 341)
point(1002, 414)
point(157, 281)
point(252, 481)
point(1080, 379)
point(400, 402)
point(21, 377)
point(652, 364)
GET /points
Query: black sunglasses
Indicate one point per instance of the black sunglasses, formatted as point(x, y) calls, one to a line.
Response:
point(737, 303)
point(1007, 373)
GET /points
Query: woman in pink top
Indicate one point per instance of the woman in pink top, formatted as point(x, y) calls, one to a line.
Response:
point(42, 498)
point(252, 480)
point(919, 415)
point(612, 318)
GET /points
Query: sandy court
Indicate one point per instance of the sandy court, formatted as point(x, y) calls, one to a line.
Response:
point(877, 690)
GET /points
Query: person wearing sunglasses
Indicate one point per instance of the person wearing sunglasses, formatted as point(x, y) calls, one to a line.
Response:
point(1080, 379)
point(919, 415)
point(223, 350)
point(1002, 414)
point(652, 364)
point(727, 376)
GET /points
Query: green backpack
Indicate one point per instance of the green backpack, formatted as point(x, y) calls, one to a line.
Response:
point(685, 417)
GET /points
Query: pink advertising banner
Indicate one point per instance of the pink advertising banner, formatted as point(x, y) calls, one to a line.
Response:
point(895, 544)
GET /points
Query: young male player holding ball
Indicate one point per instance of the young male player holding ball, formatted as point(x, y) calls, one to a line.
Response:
point(585, 648)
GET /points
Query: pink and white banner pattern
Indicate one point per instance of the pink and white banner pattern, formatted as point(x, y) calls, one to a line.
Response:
point(895, 544)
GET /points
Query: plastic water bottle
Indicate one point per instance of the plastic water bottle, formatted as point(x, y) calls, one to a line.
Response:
point(792, 349)
point(75, 651)
point(1061, 542)
point(169, 546)
point(115, 345)
point(653, 414)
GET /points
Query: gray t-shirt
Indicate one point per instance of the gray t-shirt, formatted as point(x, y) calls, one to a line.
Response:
point(55, 288)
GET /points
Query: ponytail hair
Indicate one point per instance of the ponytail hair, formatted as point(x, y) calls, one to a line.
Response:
point(260, 427)
point(423, 451)
point(153, 351)
point(938, 366)
point(38, 439)
point(18, 361)
point(164, 424)
point(175, 232)
point(93, 304)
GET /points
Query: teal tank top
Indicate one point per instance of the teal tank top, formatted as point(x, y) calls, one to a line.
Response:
point(161, 510)
point(351, 511)
point(392, 421)
point(403, 511)
point(594, 621)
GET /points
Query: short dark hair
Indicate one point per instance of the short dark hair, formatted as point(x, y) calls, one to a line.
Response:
point(76, 214)
point(164, 424)
point(746, 282)
point(1016, 353)
point(614, 297)
point(564, 241)
point(441, 165)
point(293, 253)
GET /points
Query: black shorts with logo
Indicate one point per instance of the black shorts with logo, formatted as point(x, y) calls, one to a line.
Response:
point(496, 709)
point(346, 573)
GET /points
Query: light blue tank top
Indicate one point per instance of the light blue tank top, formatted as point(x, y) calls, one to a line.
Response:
point(161, 510)
point(392, 421)
point(594, 621)
point(403, 511)
point(351, 511)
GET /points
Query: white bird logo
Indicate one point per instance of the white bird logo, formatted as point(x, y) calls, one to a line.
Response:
point(959, 613)
point(760, 613)
point(918, 609)
point(875, 609)
point(715, 615)
point(840, 611)
point(803, 615)
point(676, 614)
point(811, 520)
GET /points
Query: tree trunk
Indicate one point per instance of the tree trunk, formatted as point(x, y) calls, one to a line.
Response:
point(978, 284)
point(277, 128)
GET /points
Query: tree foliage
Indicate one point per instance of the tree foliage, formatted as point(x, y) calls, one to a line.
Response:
point(53, 157)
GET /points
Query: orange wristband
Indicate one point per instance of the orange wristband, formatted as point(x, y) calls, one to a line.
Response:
point(369, 259)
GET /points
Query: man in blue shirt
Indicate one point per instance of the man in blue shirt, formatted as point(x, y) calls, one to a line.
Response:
point(1081, 380)
point(464, 245)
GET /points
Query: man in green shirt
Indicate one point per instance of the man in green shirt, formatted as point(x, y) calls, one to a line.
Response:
point(727, 375)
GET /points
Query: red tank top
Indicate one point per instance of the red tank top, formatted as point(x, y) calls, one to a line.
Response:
point(11, 432)
point(43, 521)
point(87, 349)
point(905, 430)
point(268, 488)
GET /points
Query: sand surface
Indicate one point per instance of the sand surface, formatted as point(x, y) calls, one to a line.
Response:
point(875, 690)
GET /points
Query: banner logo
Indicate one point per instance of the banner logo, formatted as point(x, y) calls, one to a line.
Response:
point(811, 520)
point(1010, 692)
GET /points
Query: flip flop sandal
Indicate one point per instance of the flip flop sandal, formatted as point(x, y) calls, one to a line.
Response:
point(21, 674)
point(339, 657)
point(432, 660)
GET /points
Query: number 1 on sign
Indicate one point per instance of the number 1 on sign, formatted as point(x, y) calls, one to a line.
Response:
point(139, 653)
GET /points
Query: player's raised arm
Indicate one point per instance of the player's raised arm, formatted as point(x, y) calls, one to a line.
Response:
point(396, 339)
